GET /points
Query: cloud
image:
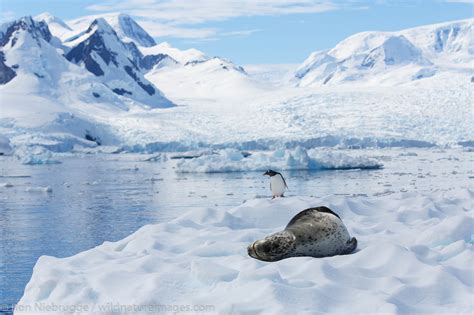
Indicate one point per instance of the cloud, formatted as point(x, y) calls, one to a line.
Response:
point(192, 12)
point(159, 29)
point(181, 18)
point(241, 32)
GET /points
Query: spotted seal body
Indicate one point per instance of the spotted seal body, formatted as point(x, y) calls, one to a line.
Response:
point(315, 232)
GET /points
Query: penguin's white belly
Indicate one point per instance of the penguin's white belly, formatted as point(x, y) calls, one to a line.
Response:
point(278, 185)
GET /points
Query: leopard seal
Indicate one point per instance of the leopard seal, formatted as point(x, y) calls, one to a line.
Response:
point(315, 232)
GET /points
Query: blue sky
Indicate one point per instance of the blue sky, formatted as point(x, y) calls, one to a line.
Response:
point(255, 31)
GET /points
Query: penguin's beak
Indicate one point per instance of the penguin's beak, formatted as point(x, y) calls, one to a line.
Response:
point(266, 173)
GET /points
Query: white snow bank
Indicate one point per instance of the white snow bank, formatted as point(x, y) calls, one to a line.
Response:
point(231, 160)
point(415, 256)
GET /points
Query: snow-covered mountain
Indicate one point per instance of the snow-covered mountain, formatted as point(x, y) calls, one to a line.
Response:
point(97, 49)
point(392, 57)
point(42, 91)
point(191, 74)
point(188, 73)
point(70, 89)
point(102, 53)
point(198, 79)
point(127, 29)
point(56, 26)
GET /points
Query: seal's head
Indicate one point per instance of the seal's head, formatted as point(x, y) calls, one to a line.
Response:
point(274, 247)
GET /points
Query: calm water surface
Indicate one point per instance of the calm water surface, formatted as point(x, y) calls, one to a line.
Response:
point(97, 198)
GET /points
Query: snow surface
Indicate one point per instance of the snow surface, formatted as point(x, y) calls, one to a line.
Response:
point(415, 256)
point(231, 160)
point(279, 75)
point(211, 80)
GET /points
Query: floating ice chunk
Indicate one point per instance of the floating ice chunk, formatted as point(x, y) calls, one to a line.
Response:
point(35, 155)
point(46, 189)
point(6, 185)
point(231, 160)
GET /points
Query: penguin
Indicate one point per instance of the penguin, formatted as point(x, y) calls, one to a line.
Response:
point(277, 183)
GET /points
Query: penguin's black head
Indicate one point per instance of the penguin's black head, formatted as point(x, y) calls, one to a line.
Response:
point(270, 173)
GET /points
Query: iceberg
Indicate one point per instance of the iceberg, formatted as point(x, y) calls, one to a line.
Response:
point(232, 160)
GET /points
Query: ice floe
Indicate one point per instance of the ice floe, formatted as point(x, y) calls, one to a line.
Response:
point(415, 255)
point(231, 160)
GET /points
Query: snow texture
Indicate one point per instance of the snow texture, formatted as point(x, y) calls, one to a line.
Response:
point(415, 256)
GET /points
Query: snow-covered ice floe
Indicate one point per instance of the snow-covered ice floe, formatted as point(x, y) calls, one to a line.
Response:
point(415, 256)
point(231, 160)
